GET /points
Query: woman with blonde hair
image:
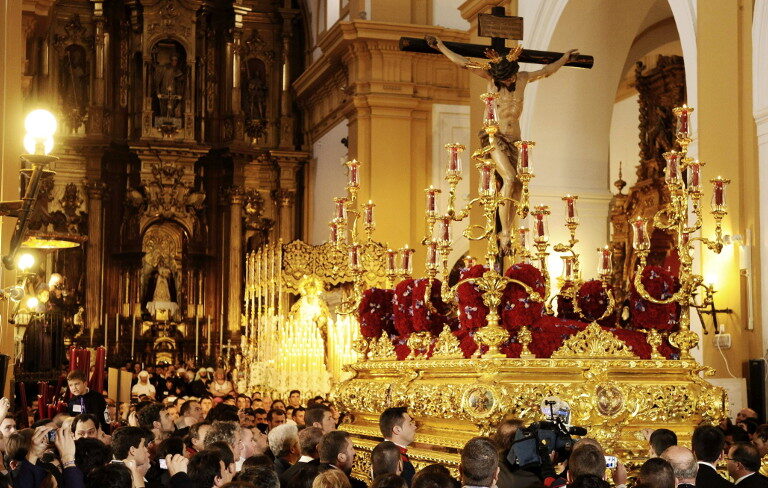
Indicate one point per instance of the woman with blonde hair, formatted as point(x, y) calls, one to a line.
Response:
point(333, 478)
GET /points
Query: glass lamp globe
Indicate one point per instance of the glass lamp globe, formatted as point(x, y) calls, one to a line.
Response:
point(25, 261)
point(40, 124)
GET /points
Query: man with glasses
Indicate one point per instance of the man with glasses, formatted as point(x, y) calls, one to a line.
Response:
point(743, 466)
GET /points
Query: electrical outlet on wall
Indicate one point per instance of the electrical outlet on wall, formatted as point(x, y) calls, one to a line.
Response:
point(722, 341)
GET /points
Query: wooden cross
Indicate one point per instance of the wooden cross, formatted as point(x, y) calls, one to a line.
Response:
point(499, 27)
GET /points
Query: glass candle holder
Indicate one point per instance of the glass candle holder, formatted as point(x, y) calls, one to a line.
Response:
point(443, 231)
point(641, 240)
point(672, 173)
point(569, 271)
point(683, 115)
point(571, 216)
point(354, 173)
point(334, 233)
point(391, 261)
point(694, 176)
point(522, 236)
point(406, 260)
point(354, 257)
point(368, 214)
point(432, 193)
point(604, 261)
point(487, 180)
point(490, 114)
point(524, 163)
point(432, 254)
point(539, 224)
point(341, 207)
point(719, 202)
point(454, 158)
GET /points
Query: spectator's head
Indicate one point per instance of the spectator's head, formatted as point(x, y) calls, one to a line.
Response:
point(319, 416)
point(707, 442)
point(660, 440)
point(434, 476)
point(333, 478)
point(208, 469)
point(259, 461)
point(385, 459)
point(284, 442)
point(733, 435)
point(171, 445)
point(760, 440)
point(298, 416)
point(743, 459)
point(260, 476)
point(223, 412)
point(656, 473)
point(336, 448)
point(309, 439)
point(587, 459)
point(90, 454)
point(306, 475)
point(144, 377)
point(589, 481)
point(86, 425)
point(197, 433)
point(77, 382)
point(275, 418)
point(113, 475)
point(683, 463)
point(155, 417)
point(505, 433)
point(294, 398)
point(259, 416)
point(389, 480)
point(131, 443)
point(745, 413)
point(397, 425)
point(18, 444)
point(227, 432)
point(7, 426)
point(243, 401)
point(479, 462)
point(749, 426)
point(191, 410)
point(206, 403)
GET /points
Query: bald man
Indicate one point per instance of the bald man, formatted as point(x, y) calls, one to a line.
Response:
point(684, 465)
point(744, 414)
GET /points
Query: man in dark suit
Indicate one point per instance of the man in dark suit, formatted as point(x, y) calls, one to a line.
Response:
point(337, 452)
point(398, 427)
point(284, 444)
point(309, 439)
point(708, 442)
point(744, 464)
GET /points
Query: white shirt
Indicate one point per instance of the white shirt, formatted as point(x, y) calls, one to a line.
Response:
point(142, 389)
point(306, 459)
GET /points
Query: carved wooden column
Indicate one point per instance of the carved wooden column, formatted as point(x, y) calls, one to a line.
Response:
point(95, 192)
point(234, 267)
point(101, 37)
point(284, 201)
point(286, 97)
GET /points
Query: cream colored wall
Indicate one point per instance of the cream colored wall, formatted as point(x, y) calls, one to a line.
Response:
point(624, 136)
point(327, 177)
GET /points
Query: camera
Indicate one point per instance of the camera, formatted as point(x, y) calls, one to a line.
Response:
point(163, 464)
point(52, 436)
point(539, 439)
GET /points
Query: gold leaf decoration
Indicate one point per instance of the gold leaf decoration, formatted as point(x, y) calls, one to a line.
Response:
point(594, 342)
point(447, 346)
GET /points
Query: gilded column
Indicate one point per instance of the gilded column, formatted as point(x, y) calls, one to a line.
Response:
point(235, 259)
point(93, 257)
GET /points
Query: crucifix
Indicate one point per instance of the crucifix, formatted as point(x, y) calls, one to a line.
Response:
point(505, 80)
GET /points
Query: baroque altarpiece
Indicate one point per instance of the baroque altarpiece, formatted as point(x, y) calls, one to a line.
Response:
point(178, 153)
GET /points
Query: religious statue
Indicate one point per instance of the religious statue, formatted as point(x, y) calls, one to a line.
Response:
point(73, 86)
point(169, 87)
point(254, 98)
point(508, 83)
point(161, 290)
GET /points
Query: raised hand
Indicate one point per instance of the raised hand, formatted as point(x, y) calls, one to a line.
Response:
point(65, 443)
point(5, 406)
point(176, 464)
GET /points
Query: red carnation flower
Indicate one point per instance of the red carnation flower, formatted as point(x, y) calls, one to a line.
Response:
point(375, 313)
point(660, 284)
point(517, 308)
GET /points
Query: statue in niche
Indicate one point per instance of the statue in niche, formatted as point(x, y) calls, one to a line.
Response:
point(169, 80)
point(160, 296)
point(74, 84)
point(254, 98)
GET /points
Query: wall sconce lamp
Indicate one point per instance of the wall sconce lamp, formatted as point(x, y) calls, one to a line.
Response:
point(708, 307)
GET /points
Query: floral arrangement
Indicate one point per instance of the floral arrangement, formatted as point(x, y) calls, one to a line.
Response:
point(593, 302)
point(660, 284)
point(472, 310)
point(425, 319)
point(403, 307)
point(517, 307)
point(376, 313)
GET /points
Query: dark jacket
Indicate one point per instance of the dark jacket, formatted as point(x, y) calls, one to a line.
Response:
point(92, 402)
point(709, 478)
point(755, 480)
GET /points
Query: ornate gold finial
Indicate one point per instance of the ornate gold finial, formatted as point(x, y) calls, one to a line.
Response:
point(419, 343)
point(592, 343)
point(620, 183)
point(654, 340)
point(525, 337)
point(382, 349)
point(447, 346)
point(360, 346)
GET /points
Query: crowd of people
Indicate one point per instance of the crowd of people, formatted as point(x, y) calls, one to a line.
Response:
point(191, 429)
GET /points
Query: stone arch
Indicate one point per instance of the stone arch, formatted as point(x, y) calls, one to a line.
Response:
point(760, 113)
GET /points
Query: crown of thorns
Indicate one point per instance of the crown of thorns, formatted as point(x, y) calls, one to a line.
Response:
point(494, 58)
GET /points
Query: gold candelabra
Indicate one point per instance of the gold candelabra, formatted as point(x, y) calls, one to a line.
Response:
point(683, 217)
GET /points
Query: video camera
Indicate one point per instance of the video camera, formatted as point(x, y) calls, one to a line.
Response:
point(541, 438)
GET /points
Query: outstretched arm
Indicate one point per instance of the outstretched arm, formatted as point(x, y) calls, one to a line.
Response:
point(552, 67)
point(457, 59)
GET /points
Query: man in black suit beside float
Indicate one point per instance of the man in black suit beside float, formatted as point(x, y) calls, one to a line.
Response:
point(337, 452)
point(398, 427)
point(708, 442)
point(743, 466)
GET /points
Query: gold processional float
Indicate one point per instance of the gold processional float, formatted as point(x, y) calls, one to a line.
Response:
point(464, 357)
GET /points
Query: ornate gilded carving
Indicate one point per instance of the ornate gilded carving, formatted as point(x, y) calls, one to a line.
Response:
point(594, 342)
point(382, 349)
point(447, 346)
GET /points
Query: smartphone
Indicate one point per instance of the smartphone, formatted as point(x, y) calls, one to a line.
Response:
point(52, 436)
point(162, 463)
point(611, 462)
